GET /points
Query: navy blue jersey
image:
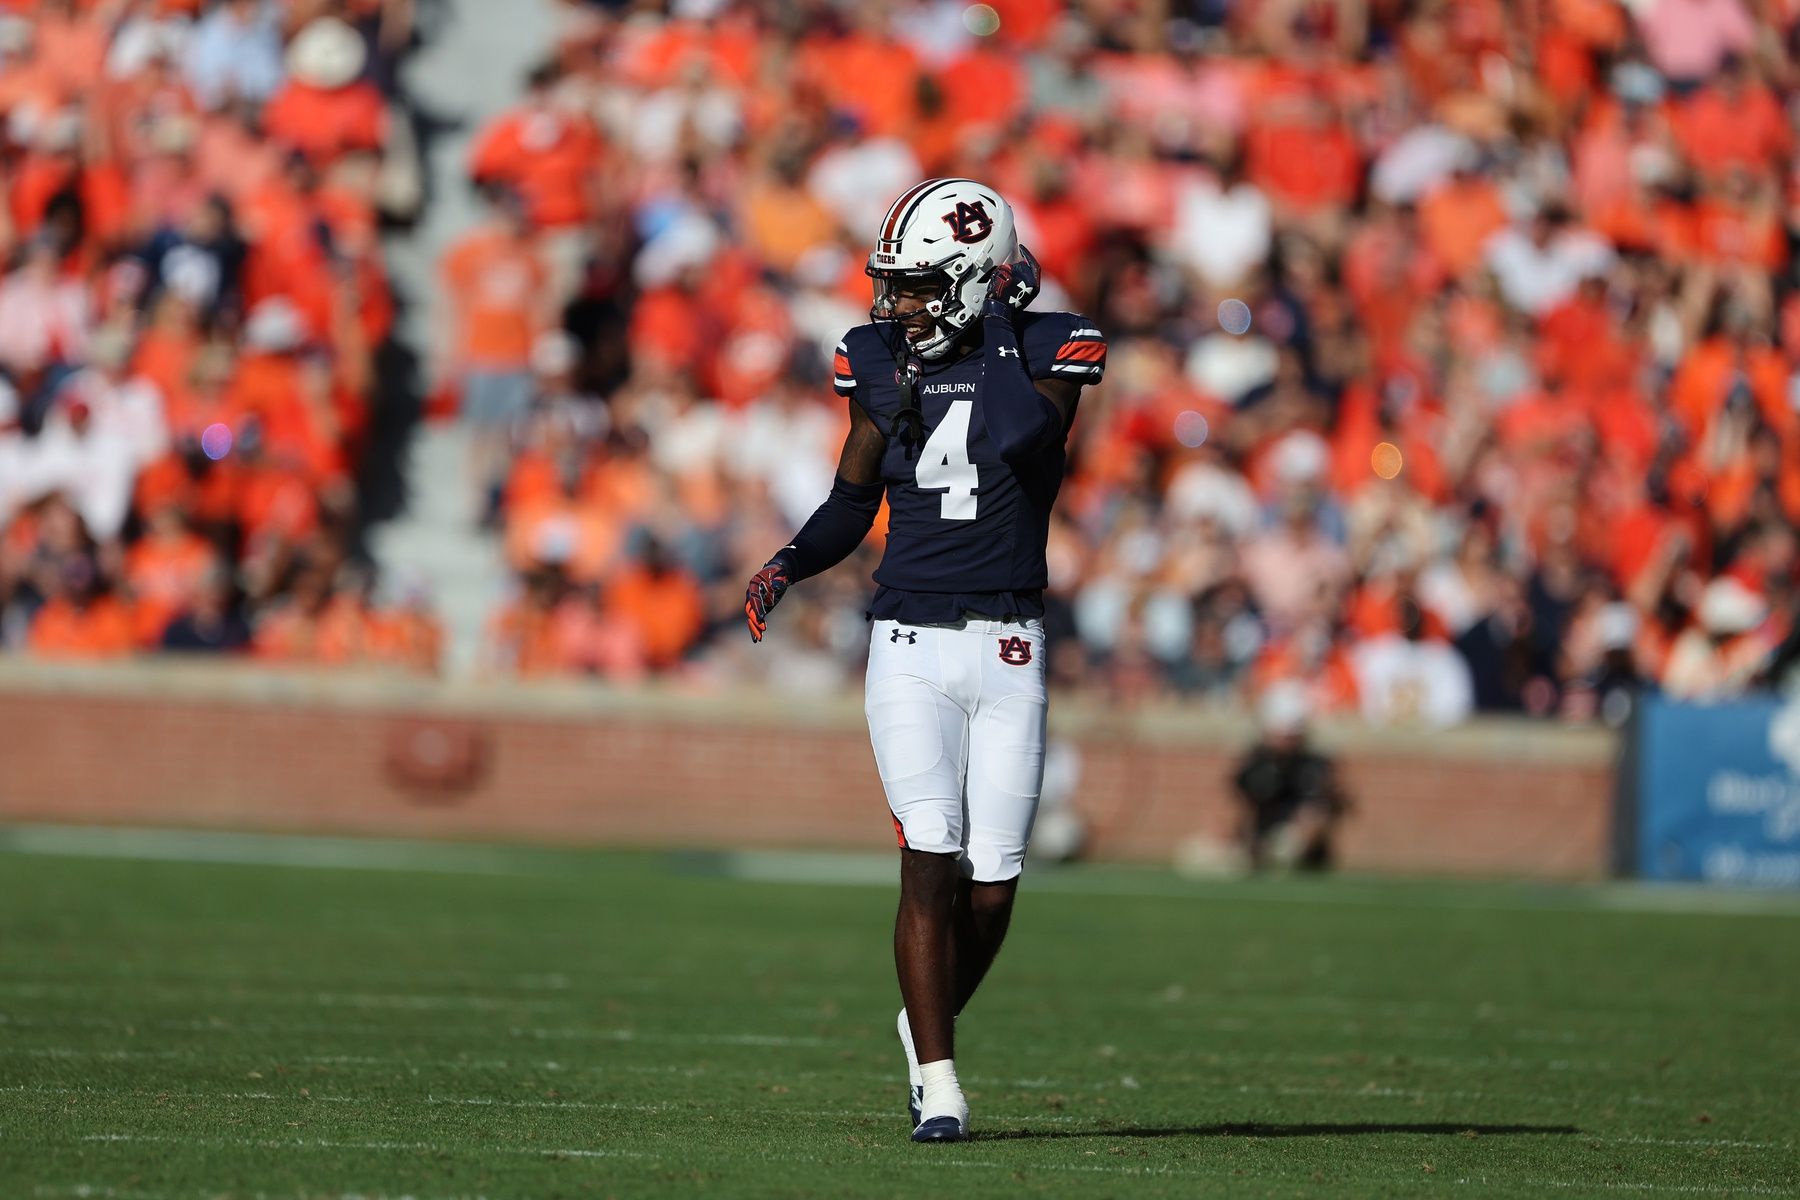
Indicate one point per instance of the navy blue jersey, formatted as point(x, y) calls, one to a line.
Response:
point(966, 529)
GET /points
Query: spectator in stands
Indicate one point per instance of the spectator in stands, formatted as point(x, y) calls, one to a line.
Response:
point(80, 617)
point(235, 53)
point(1411, 676)
point(1724, 649)
point(326, 109)
point(547, 151)
point(530, 637)
point(15, 458)
point(212, 622)
point(1689, 40)
point(166, 572)
point(495, 281)
point(1602, 670)
point(45, 544)
point(88, 457)
point(1296, 570)
point(409, 634)
point(45, 316)
point(1498, 647)
point(660, 602)
point(1539, 267)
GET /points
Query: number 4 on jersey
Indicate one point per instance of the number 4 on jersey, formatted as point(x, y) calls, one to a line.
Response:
point(944, 464)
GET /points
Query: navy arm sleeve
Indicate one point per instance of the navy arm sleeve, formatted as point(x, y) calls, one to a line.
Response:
point(835, 529)
point(1021, 420)
point(838, 526)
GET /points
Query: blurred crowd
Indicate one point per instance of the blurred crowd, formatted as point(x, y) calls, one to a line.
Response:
point(1455, 347)
point(192, 301)
point(1512, 426)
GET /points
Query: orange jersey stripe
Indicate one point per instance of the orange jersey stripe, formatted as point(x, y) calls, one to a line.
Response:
point(841, 364)
point(1081, 352)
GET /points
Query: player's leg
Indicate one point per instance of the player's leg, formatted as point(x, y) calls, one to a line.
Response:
point(978, 926)
point(981, 915)
point(925, 958)
point(1005, 776)
point(919, 733)
point(983, 912)
point(925, 950)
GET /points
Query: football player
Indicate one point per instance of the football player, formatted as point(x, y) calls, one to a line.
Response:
point(961, 399)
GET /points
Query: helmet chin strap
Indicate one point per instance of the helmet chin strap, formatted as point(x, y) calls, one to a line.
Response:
point(909, 421)
point(909, 364)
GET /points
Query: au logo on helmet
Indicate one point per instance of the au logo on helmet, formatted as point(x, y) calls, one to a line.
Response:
point(970, 222)
point(1015, 651)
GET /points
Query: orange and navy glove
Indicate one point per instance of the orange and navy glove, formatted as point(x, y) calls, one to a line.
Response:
point(1014, 285)
point(766, 589)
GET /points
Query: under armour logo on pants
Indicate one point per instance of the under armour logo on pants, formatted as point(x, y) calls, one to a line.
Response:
point(909, 635)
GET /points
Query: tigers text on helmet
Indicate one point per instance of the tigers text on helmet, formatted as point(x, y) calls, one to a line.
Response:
point(940, 241)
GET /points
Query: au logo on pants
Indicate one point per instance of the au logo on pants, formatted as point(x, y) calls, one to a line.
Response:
point(1015, 651)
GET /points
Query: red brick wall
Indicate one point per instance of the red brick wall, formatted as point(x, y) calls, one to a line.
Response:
point(230, 749)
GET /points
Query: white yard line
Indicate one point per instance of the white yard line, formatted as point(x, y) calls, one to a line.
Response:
point(361, 1060)
point(494, 1102)
point(1354, 1016)
point(435, 1148)
point(1036, 1083)
point(855, 869)
point(993, 1118)
point(534, 1033)
point(1339, 1059)
point(1708, 1143)
point(95, 1191)
point(852, 869)
point(257, 849)
point(98, 977)
point(1350, 1017)
point(777, 1159)
point(832, 1113)
point(585, 985)
point(405, 1001)
point(1685, 1189)
point(330, 1144)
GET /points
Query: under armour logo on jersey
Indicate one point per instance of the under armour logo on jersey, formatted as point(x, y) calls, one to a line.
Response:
point(970, 222)
point(1009, 352)
point(908, 634)
point(1015, 651)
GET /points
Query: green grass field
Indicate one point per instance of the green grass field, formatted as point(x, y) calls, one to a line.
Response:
point(465, 1021)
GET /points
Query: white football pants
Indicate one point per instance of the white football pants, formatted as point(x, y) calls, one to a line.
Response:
point(956, 716)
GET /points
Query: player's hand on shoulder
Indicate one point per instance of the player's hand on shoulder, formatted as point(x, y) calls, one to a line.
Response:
point(765, 591)
point(1014, 285)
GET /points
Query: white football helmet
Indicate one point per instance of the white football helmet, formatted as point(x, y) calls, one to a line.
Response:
point(943, 237)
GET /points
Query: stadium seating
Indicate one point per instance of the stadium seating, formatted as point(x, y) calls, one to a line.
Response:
point(1512, 427)
point(192, 299)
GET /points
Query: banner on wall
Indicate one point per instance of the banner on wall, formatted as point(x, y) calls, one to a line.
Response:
point(1713, 792)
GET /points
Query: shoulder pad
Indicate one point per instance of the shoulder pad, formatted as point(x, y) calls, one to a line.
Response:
point(863, 355)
